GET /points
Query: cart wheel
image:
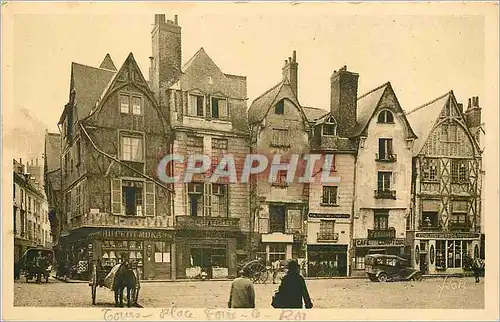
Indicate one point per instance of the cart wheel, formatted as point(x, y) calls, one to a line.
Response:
point(264, 276)
point(382, 277)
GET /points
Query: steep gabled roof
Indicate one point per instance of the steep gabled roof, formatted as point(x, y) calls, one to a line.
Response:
point(424, 118)
point(313, 114)
point(366, 106)
point(53, 159)
point(107, 63)
point(259, 107)
point(88, 83)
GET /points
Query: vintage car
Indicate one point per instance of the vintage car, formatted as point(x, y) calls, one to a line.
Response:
point(383, 268)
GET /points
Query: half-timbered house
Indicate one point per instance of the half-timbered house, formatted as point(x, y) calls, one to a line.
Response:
point(444, 227)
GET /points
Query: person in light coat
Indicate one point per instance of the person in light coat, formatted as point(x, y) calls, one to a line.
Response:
point(242, 295)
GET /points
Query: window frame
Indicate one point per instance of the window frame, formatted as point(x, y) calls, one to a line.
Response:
point(219, 99)
point(380, 224)
point(382, 175)
point(327, 192)
point(279, 107)
point(132, 135)
point(280, 134)
point(330, 122)
point(203, 105)
point(130, 107)
point(382, 117)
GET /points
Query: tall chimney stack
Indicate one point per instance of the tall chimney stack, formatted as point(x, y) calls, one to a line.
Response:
point(343, 100)
point(291, 72)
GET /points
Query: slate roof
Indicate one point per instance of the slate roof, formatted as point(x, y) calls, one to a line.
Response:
point(313, 114)
point(89, 83)
point(424, 118)
point(259, 107)
point(366, 105)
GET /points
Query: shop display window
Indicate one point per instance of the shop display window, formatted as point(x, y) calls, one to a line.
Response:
point(113, 252)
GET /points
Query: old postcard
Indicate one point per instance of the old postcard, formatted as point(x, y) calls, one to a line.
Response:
point(250, 161)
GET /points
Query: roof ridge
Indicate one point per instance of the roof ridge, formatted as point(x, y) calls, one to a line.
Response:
point(99, 68)
point(373, 90)
point(428, 103)
point(267, 92)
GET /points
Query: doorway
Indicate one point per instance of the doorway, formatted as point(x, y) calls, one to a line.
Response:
point(424, 265)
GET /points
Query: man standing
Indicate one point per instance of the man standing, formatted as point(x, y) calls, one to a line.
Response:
point(242, 294)
point(477, 267)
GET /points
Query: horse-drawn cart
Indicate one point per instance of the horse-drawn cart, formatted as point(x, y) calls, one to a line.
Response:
point(37, 263)
point(115, 278)
point(257, 271)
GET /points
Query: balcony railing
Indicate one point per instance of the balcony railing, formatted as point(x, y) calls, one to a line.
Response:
point(207, 223)
point(328, 237)
point(382, 233)
point(385, 194)
point(386, 157)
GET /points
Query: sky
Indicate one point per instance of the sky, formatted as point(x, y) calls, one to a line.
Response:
point(423, 56)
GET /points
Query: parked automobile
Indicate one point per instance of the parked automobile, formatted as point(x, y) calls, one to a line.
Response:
point(383, 268)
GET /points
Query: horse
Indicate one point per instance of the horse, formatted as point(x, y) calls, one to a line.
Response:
point(124, 278)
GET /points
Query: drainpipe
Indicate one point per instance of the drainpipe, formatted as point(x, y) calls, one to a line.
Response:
point(351, 230)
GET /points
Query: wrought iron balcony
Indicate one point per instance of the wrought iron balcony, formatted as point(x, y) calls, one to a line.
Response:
point(382, 233)
point(207, 223)
point(386, 157)
point(327, 237)
point(385, 194)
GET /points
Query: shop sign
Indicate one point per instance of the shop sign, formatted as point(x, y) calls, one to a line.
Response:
point(328, 216)
point(132, 234)
point(363, 242)
point(448, 235)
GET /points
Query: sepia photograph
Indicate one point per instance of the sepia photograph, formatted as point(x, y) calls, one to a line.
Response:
point(183, 161)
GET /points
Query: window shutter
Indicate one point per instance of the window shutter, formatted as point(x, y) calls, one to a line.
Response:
point(389, 147)
point(150, 199)
point(223, 111)
point(207, 200)
point(381, 148)
point(380, 183)
point(116, 196)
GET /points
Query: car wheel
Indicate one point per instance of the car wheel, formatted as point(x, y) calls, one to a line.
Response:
point(382, 277)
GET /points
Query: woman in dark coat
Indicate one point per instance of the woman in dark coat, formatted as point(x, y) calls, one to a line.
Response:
point(293, 289)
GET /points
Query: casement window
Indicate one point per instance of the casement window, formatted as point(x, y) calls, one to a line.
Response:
point(131, 104)
point(329, 127)
point(384, 181)
point(210, 200)
point(329, 195)
point(195, 199)
point(219, 200)
point(132, 197)
point(327, 228)
point(281, 178)
point(385, 116)
point(277, 219)
point(281, 138)
point(449, 133)
point(194, 144)
point(277, 252)
point(219, 108)
point(132, 147)
point(195, 105)
point(219, 149)
point(430, 169)
point(381, 220)
point(360, 262)
point(459, 171)
point(385, 150)
point(279, 108)
point(429, 219)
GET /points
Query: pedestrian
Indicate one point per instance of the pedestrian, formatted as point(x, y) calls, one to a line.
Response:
point(39, 267)
point(477, 267)
point(292, 290)
point(276, 268)
point(242, 295)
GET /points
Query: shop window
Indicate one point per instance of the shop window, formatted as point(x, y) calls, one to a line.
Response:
point(329, 195)
point(385, 116)
point(281, 138)
point(360, 262)
point(277, 252)
point(162, 252)
point(279, 108)
point(277, 219)
point(132, 147)
point(115, 251)
point(132, 198)
point(205, 256)
point(219, 108)
point(440, 254)
point(195, 107)
point(381, 220)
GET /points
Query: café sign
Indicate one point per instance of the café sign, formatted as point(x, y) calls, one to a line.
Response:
point(132, 234)
point(363, 242)
point(449, 235)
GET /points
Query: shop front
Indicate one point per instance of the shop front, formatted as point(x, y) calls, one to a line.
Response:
point(364, 246)
point(326, 260)
point(444, 252)
point(206, 244)
point(150, 250)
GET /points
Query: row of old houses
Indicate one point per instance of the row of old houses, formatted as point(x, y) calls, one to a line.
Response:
point(410, 182)
point(31, 225)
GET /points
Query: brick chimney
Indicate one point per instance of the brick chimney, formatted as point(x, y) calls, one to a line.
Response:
point(291, 72)
point(166, 56)
point(343, 100)
point(473, 113)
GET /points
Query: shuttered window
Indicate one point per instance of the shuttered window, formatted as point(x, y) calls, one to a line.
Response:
point(150, 199)
point(116, 196)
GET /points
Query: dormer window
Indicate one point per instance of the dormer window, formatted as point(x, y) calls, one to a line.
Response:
point(219, 108)
point(329, 127)
point(195, 107)
point(385, 117)
point(131, 104)
point(279, 108)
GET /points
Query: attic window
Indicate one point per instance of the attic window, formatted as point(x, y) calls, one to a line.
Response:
point(196, 103)
point(329, 127)
point(130, 104)
point(279, 108)
point(385, 117)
